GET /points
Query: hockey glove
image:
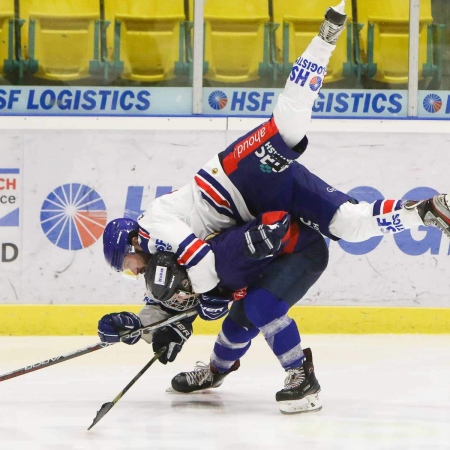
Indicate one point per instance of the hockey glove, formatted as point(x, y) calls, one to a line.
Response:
point(173, 337)
point(263, 241)
point(112, 326)
point(211, 308)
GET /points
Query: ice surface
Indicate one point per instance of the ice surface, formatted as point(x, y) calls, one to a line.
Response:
point(378, 392)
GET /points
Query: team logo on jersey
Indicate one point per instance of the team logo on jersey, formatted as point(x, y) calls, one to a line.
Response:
point(270, 160)
point(315, 83)
point(432, 103)
point(265, 168)
point(73, 216)
point(162, 246)
point(217, 100)
point(394, 225)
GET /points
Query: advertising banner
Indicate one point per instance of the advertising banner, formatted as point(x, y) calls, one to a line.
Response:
point(340, 103)
point(120, 101)
point(11, 195)
point(223, 101)
point(94, 101)
point(59, 189)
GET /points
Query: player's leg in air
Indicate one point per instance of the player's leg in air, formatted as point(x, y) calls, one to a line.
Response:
point(316, 202)
point(292, 112)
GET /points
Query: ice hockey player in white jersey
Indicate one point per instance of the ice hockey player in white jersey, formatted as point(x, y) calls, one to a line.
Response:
point(259, 172)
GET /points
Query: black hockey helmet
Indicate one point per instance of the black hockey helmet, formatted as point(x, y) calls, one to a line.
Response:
point(168, 282)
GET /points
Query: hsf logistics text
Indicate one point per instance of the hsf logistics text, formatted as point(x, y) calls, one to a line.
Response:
point(75, 100)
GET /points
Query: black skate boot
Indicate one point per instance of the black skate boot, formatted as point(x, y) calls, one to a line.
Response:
point(434, 211)
point(334, 23)
point(204, 376)
point(301, 389)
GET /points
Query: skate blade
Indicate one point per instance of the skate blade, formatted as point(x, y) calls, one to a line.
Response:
point(208, 391)
point(310, 403)
point(171, 390)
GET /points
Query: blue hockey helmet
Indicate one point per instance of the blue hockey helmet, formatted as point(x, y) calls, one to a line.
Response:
point(117, 241)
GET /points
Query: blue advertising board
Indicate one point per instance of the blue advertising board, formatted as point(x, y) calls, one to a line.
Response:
point(177, 101)
point(330, 102)
point(94, 101)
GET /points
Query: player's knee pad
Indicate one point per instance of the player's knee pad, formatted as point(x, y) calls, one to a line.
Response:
point(237, 333)
point(262, 307)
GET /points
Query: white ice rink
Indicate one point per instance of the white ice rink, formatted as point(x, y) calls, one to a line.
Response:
point(378, 392)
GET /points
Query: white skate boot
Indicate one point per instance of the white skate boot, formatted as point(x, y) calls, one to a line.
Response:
point(434, 211)
point(334, 23)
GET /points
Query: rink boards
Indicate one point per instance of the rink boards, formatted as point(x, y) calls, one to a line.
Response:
point(59, 187)
point(81, 320)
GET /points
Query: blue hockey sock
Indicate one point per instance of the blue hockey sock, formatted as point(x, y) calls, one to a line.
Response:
point(269, 314)
point(231, 344)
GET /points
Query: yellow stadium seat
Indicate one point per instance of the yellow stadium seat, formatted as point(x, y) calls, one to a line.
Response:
point(150, 34)
point(386, 40)
point(300, 22)
point(6, 18)
point(236, 39)
point(60, 36)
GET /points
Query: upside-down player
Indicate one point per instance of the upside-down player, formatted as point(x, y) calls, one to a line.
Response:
point(259, 173)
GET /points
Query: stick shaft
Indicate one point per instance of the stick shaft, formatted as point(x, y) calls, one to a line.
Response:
point(91, 348)
point(108, 406)
point(141, 372)
point(53, 361)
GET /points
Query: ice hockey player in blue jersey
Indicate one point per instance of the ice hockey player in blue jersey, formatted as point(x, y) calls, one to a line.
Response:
point(278, 269)
point(259, 173)
point(265, 267)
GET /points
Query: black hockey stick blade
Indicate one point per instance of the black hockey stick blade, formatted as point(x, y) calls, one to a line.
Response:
point(106, 407)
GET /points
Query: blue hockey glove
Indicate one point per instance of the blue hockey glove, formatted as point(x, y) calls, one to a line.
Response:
point(211, 308)
point(172, 337)
point(264, 241)
point(111, 326)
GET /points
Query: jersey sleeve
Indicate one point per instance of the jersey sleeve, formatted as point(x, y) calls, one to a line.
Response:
point(166, 230)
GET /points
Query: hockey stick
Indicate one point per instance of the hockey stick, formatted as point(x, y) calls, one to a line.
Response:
point(106, 407)
point(98, 346)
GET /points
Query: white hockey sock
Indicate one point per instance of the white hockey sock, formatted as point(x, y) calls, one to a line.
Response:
point(293, 110)
point(356, 223)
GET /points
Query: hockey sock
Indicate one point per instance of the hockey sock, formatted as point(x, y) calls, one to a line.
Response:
point(231, 344)
point(293, 109)
point(358, 222)
point(269, 314)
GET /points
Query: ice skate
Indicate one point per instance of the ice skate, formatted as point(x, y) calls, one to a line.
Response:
point(301, 389)
point(334, 23)
point(434, 211)
point(204, 376)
